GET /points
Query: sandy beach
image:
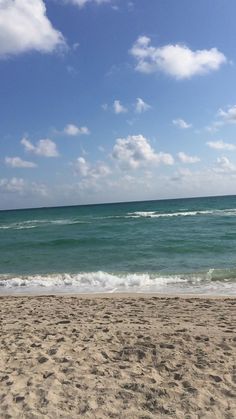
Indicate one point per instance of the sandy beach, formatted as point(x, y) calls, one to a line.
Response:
point(117, 357)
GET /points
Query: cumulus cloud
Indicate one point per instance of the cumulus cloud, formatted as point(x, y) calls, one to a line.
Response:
point(223, 116)
point(224, 166)
point(86, 169)
point(12, 185)
point(177, 61)
point(229, 115)
point(24, 26)
point(135, 151)
point(22, 187)
point(141, 106)
point(74, 130)
point(185, 158)
point(17, 162)
point(180, 123)
point(214, 127)
point(82, 166)
point(118, 107)
point(44, 147)
point(221, 145)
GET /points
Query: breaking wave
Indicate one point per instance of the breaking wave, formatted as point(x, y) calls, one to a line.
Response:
point(36, 223)
point(39, 223)
point(155, 214)
point(213, 281)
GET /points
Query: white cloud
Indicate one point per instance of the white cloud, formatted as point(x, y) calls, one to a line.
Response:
point(141, 106)
point(45, 147)
point(224, 165)
point(19, 163)
point(73, 130)
point(22, 187)
point(214, 127)
point(184, 158)
point(71, 70)
point(12, 185)
point(86, 169)
point(229, 115)
point(24, 27)
point(118, 107)
point(75, 46)
point(105, 106)
point(180, 123)
point(82, 3)
point(221, 145)
point(130, 5)
point(183, 171)
point(135, 151)
point(82, 166)
point(38, 189)
point(177, 61)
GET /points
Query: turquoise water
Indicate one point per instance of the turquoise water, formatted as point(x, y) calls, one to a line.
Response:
point(183, 245)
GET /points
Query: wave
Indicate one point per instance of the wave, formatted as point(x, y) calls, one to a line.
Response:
point(155, 214)
point(17, 227)
point(211, 281)
point(39, 223)
point(36, 223)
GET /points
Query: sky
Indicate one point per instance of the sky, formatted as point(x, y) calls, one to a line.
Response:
point(116, 100)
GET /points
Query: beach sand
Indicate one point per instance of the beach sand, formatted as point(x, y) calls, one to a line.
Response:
point(117, 357)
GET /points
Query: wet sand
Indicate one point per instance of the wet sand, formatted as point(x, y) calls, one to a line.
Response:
point(117, 357)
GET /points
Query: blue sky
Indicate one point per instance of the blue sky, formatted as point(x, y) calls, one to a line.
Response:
point(114, 100)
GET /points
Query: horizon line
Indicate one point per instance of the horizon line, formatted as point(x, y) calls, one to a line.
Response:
point(114, 203)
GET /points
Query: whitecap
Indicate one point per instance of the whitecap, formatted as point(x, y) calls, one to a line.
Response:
point(100, 282)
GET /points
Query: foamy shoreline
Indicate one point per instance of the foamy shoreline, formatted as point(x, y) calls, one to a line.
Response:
point(118, 355)
point(208, 282)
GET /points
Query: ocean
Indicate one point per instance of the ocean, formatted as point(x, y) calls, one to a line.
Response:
point(180, 246)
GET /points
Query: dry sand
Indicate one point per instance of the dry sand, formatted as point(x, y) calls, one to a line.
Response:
point(117, 357)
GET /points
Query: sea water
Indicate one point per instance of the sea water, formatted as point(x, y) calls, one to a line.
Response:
point(169, 246)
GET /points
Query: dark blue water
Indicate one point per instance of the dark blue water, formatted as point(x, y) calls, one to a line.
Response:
point(184, 245)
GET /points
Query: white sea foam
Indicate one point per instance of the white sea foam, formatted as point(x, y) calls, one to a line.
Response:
point(155, 214)
point(36, 223)
point(39, 223)
point(100, 282)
